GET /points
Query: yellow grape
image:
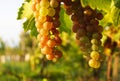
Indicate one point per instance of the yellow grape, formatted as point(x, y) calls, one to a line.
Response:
point(97, 65)
point(43, 11)
point(37, 6)
point(47, 25)
point(33, 6)
point(43, 32)
point(54, 3)
point(93, 63)
point(44, 3)
point(51, 11)
point(46, 50)
point(94, 41)
point(94, 55)
point(39, 25)
point(36, 14)
point(42, 19)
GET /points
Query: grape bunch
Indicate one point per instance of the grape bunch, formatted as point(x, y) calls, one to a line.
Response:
point(87, 29)
point(46, 13)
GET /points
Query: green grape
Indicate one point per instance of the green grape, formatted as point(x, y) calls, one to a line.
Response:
point(94, 41)
point(94, 55)
point(44, 3)
point(43, 11)
point(94, 47)
point(51, 12)
point(84, 39)
point(95, 35)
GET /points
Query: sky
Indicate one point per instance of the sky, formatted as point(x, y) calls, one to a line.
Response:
point(10, 27)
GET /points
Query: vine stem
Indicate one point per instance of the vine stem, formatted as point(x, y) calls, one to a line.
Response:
point(109, 68)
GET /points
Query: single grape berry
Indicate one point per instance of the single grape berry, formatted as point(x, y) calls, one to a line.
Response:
point(94, 47)
point(94, 41)
point(94, 55)
point(99, 16)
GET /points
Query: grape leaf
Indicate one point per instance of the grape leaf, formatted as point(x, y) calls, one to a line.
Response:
point(34, 31)
point(25, 10)
point(27, 0)
point(117, 3)
point(115, 13)
point(100, 4)
point(29, 24)
point(66, 22)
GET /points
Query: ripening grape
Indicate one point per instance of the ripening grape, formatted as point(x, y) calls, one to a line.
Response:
point(56, 23)
point(42, 44)
point(46, 50)
point(75, 27)
point(46, 13)
point(50, 56)
point(43, 11)
point(51, 43)
point(47, 25)
point(51, 11)
point(54, 3)
point(44, 38)
point(44, 3)
point(88, 12)
point(58, 54)
point(58, 40)
point(94, 55)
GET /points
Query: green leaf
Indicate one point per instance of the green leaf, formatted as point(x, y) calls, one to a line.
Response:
point(66, 22)
point(27, 0)
point(34, 31)
point(29, 24)
point(117, 3)
point(25, 10)
point(100, 4)
point(20, 11)
point(115, 13)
